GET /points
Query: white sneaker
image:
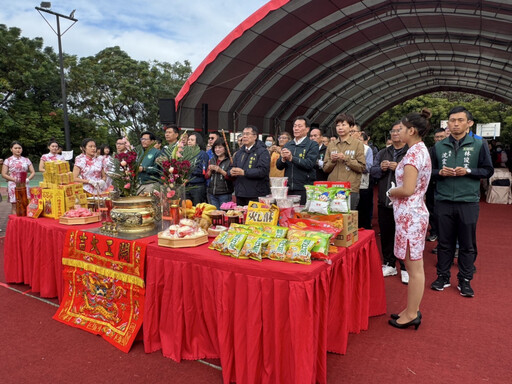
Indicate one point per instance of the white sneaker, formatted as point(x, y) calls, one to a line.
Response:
point(388, 270)
point(405, 277)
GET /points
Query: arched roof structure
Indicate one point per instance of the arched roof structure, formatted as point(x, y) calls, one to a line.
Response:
point(321, 57)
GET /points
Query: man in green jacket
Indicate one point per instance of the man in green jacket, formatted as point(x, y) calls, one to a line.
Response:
point(148, 169)
point(458, 163)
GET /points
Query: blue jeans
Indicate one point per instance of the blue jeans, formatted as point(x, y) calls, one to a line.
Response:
point(218, 200)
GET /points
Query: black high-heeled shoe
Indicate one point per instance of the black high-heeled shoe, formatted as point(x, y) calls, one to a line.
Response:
point(415, 322)
point(396, 316)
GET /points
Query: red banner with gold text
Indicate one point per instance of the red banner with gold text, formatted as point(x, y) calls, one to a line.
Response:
point(103, 286)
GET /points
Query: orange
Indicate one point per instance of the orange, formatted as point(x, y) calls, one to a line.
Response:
point(188, 203)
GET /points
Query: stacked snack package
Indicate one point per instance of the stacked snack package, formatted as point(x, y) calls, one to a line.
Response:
point(327, 200)
point(277, 243)
point(59, 192)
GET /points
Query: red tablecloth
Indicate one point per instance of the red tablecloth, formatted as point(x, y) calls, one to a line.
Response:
point(33, 253)
point(267, 322)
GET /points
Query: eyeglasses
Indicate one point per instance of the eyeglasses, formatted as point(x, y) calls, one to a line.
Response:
point(212, 138)
point(248, 134)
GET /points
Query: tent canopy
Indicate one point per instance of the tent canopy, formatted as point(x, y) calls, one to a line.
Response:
point(321, 57)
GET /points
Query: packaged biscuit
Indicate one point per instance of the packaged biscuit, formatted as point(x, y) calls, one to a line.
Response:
point(253, 246)
point(299, 251)
point(339, 200)
point(320, 201)
point(218, 242)
point(233, 244)
point(276, 249)
point(310, 192)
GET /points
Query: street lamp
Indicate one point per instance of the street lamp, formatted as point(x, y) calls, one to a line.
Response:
point(45, 7)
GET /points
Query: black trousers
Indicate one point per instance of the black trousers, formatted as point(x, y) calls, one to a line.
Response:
point(365, 207)
point(245, 200)
point(457, 220)
point(387, 237)
point(431, 206)
point(301, 193)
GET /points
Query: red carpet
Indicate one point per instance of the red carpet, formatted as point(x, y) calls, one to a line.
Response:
point(461, 340)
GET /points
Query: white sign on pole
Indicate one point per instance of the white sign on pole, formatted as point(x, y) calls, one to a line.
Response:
point(444, 124)
point(488, 130)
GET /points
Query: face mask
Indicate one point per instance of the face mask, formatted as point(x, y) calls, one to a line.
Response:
point(268, 143)
point(498, 150)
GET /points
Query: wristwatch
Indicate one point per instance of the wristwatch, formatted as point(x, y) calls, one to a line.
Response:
point(468, 170)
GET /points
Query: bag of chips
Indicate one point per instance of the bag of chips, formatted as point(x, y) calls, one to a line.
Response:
point(235, 227)
point(276, 249)
point(299, 251)
point(320, 202)
point(339, 200)
point(320, 249)
point(253, 246)
point(218, 242)
point(233, 244)
point(274, 231)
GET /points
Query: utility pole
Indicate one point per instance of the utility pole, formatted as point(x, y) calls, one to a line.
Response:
point(45, 7)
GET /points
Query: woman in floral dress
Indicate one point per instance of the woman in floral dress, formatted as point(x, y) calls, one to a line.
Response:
point(411, 214)
point(89, 169)
point(12, 168)
point(53, 155)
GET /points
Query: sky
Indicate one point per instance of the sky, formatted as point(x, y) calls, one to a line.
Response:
point(163, 30)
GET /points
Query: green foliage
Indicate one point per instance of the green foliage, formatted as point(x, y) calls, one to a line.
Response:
point(109, 94)
point(440, 103)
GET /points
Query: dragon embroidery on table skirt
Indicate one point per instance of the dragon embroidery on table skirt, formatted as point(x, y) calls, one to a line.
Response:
point(99, 295)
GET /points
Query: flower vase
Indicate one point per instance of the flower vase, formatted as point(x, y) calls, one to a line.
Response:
point(172, 205)
point(21, 200)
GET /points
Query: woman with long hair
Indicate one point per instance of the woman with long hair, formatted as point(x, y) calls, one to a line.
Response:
point(220, 188)
point(411, 215)
point(13, 168)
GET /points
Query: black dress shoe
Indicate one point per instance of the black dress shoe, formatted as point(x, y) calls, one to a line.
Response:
point(395, 316)
point(413, 323)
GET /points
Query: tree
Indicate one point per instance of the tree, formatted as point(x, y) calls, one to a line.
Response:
point(440, 103)
point(121, 94)
point(29, 92)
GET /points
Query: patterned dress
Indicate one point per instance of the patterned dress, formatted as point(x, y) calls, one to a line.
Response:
point(51, 157)
point(16, 165)
point(90, 169)
point(411, 214)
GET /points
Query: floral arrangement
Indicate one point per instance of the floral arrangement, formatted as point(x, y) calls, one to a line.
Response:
point(125, 171)
point(177, 164)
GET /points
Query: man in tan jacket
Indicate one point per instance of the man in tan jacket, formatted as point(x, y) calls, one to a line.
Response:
point(344, 158)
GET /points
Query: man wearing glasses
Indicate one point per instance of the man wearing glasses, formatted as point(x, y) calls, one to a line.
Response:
point(250, 168)
point(383, 171)
point(148, 171)
point(298, 159)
